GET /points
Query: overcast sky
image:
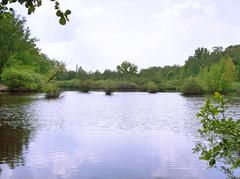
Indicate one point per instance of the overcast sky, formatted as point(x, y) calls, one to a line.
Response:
point(103, 33)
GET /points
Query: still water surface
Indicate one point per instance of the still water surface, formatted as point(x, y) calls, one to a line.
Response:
point(127, 135)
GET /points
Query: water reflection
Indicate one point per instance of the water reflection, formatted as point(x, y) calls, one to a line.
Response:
point(127, 135)
point(14, 141)
point(16, 129)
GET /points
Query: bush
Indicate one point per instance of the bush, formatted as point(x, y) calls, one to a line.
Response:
point(101, 84)
point(192, 87)
point(84, 86)
point(236, 88)
point(170, 85)
point(22, 79)
point(152, 87)
point(105, 85)
point(69, 85)
point(109, 88)
point(51, 91)
point(108, 91)
point(126, 86)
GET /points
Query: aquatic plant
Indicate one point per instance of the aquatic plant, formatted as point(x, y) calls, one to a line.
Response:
point(84, 86)
point(109, 88)
point(51, 90)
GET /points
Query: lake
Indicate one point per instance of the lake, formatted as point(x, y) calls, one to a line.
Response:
point(126, 135)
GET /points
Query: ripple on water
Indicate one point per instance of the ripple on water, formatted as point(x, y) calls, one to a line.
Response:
point(126, 135)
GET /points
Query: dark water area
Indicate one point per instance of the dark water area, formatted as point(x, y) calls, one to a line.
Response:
point(126, 135)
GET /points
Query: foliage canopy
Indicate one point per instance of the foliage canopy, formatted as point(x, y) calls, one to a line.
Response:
point(22, 66)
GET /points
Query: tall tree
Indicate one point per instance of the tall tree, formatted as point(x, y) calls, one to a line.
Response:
point(13, 38)
point(127, 68)
point(220, 76)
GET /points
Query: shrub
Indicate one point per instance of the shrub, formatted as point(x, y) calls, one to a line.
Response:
point(192, 87)
point(51, 90)
point(22, 79)
point(126, 86)
point(109, 88)
point(170, 85)
point(236, 88)
point(84, 86)
point(108, 91)
point(69, 85)
point(152, 87)
point(101, 84)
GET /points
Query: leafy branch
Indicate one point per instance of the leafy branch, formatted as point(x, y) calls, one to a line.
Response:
point(31, 6)
point(219, 137)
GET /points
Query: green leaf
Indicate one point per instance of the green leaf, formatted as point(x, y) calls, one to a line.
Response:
point(62, 21)
point(4, 2)
point(59, 13)
point(31, 9)
point(39, 3)
point(212, 162)
point(68, 12)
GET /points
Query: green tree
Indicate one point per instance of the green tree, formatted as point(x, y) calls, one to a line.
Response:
point(199, 60)
point(82, 74)
point(22, 66)
point(233, 52)
point(220, 76)
point(14, 38)
point(219, 142)
point(127, 68)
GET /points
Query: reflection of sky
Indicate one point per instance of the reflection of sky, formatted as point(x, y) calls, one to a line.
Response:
point(60, 153)
point(111, 154)
point(139, 111)
point(130, 135)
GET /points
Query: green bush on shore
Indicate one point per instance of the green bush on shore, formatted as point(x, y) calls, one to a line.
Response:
point(152, 87)
point(23, 79)
point(98, 85)
point(69, 85)
point(126, 86)
point(236, 88)
point(192, 86)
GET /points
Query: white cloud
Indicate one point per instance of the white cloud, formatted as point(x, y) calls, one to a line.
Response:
point(101, 34)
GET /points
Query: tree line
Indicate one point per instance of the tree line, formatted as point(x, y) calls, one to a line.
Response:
point(204, 72)
point(24, 68)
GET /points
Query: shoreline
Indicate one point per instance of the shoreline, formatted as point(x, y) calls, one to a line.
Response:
point(4, 89)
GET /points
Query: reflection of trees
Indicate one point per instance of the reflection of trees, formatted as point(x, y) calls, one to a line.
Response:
point(14, 99)
point(13, 141)
point(16, 129)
